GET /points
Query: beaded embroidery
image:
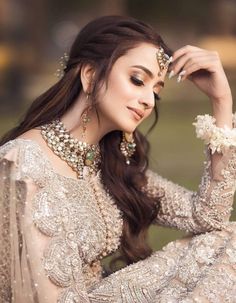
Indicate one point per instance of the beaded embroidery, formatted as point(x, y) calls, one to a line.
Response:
point(188, 270)
point(77, 154)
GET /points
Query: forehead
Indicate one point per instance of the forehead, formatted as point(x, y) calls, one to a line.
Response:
point(143, 54)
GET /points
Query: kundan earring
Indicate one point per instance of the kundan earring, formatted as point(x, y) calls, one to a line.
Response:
point(127, 146)
point(85, 119)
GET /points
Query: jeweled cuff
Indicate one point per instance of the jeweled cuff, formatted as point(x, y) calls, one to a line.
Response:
point(219, 139)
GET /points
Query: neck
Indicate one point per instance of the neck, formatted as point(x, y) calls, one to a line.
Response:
point(94, 129)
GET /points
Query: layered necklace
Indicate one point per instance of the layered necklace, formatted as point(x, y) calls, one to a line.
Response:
point(79, 155)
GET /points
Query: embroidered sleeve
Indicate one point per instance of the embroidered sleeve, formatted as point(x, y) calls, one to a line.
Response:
point(14, 268)
point(210, 207)
point(141, 281)
point(22, 248)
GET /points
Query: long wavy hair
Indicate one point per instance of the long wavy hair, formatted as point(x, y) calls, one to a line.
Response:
point(100, 43)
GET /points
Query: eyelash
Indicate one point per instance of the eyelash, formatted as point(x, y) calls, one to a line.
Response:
point(138, 82)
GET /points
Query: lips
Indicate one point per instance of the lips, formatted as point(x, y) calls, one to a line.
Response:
point(138, 113)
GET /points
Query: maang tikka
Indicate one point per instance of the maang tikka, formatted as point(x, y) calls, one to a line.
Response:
point(127, 146)
point(163, 60)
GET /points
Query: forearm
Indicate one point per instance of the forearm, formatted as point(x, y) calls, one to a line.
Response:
point(218, 184)
point(222, 112)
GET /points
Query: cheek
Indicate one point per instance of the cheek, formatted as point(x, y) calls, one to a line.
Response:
point(120, 89)
point(148, 113)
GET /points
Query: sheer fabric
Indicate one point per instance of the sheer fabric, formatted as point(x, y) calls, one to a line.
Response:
point(51, 232)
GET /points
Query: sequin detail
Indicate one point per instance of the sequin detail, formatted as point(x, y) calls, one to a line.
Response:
point(65, 211)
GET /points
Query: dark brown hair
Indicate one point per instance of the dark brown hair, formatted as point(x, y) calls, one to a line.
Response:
point(100, 43)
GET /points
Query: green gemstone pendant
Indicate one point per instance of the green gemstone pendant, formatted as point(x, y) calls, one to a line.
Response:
point(89, 158)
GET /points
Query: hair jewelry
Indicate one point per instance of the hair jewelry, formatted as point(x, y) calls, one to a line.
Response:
point(63, 63)
point(163, 60)
point(127, 146)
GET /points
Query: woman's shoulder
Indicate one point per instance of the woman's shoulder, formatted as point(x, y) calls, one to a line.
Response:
point(26, 143)
point(27, 155)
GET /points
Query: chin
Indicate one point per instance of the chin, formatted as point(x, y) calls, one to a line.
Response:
point(127, 127)
point(129, 130)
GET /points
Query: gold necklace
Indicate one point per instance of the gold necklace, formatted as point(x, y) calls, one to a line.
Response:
point(77, 154)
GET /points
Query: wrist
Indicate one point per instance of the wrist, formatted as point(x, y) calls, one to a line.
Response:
point(222, 111)
point(225, 100)
point(222, 107)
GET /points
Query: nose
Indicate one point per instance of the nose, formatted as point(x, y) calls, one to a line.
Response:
point(147, 103)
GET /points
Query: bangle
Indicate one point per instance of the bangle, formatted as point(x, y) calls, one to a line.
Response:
point(234, 119)
point(219, 139)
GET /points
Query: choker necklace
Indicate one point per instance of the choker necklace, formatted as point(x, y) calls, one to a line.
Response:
point(78, 155)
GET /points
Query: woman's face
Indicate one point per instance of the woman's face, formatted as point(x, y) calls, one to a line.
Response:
point(133, 86)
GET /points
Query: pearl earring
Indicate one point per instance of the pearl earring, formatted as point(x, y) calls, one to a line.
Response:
point(127, 146)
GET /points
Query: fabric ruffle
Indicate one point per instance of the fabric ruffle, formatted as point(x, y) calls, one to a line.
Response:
point(219, 139)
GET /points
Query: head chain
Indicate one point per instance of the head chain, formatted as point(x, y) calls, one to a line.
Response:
point(163, 60)
point(63, 64)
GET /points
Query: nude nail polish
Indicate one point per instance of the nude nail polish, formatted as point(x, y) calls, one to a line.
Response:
point(183, 72)
point(171, 74)
point(181, 75)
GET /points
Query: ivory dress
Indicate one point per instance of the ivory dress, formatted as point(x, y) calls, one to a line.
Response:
point(52, 230)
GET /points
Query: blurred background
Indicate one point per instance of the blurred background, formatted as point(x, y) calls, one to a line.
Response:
point(35, 34)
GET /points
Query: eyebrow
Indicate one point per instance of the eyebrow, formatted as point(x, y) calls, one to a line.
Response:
point(149, 73)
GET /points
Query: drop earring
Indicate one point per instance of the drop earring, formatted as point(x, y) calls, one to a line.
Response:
point(85, 119)
point(127, 146)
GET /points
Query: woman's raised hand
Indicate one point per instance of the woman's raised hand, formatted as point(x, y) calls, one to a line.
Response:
point(204, 69)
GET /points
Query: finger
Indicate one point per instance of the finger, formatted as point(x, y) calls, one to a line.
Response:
point(183, 50)
point(191, 58)
point(181, 62)
point(209, 63)
point(203, 64)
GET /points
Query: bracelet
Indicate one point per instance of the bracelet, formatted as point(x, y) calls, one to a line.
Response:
point(219, 139)
point(234, 119)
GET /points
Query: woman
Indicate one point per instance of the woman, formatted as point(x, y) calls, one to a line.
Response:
point(76, 184)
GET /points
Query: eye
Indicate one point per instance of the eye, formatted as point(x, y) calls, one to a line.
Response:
point(156, 96)
point(136, 81)
point(139, 82)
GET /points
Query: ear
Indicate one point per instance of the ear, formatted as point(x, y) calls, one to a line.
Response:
point(86, 75)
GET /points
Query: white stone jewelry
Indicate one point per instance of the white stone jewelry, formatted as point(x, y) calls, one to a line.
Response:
point(63, 63)
point(77, 154)
point(127, 146)
point(163, 60)
point(219, 139)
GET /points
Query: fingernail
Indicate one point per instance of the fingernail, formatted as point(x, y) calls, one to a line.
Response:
point(170, 59)
point(171, 74)
point(181, 75)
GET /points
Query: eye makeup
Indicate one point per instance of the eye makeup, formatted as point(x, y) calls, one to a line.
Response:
point(136, 81)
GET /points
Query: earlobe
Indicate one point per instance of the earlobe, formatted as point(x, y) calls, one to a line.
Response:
point(86, 75)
